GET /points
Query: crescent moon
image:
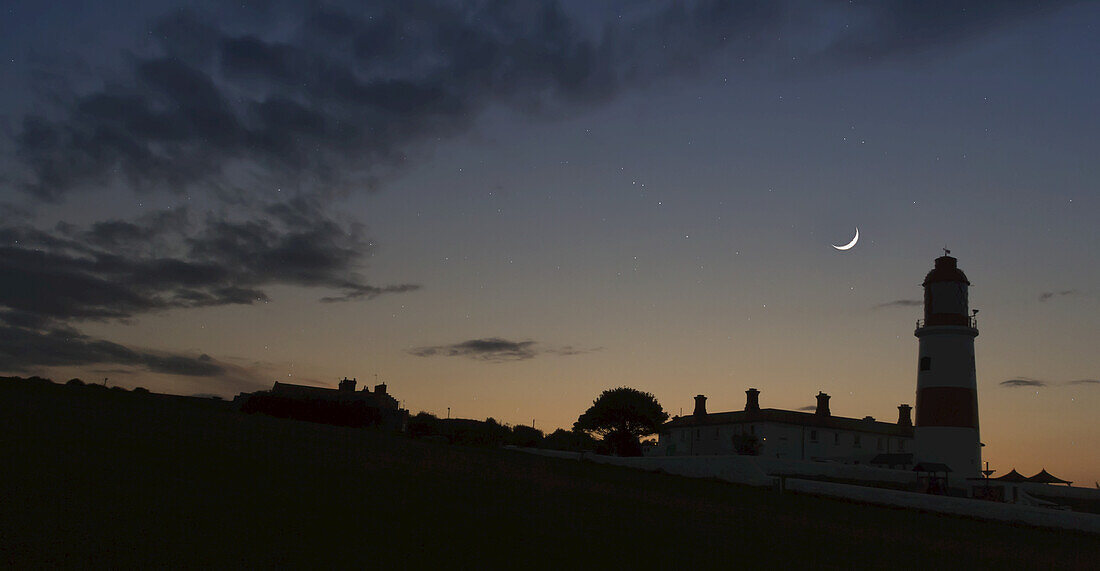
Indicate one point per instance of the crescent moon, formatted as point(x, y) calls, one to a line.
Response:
point(849, 245)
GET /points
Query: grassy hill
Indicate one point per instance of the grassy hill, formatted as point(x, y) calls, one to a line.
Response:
point(111, 478)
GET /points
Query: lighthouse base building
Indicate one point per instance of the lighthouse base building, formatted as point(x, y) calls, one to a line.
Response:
point(790, 434)
point(943, 439)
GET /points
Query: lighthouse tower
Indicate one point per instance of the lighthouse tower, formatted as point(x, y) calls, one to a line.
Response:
point(947, 397)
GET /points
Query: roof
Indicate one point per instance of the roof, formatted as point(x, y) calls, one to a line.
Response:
point(931, 467)
point(292, 388)
point(791, 417)
point(1012, 476)
point(893, 459)
point(946, 270)
point(1045, 477)
point(289, 390)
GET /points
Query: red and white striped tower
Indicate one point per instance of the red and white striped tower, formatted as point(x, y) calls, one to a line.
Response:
point(947, 391)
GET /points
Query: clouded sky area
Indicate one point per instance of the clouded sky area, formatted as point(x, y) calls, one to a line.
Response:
point(507, 207)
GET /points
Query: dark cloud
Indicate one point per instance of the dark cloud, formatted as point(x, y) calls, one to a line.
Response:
point(118, 269)
point(1084, 382)
point(323, 100)
point(488, 349)
point(1047, 295)
point(332, 97)
point(1023, 382)
point(335, 103)
point(24, 349)
point(900, 303)
point(810, 407)
point(495, 349)
point(906, 27)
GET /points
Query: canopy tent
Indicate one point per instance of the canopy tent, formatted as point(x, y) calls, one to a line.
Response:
point(1012, 476)
point(1045, 477)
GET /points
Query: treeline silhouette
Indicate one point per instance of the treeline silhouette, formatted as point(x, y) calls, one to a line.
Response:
point(424, 426)
point(490, 432)
point(74, 382)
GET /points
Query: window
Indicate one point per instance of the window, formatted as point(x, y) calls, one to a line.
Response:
point(813, 436)
point(901, 445)
point(855, 441)
point(752, 429)
point(925, 363)
point(836, 439)
point(716, 432)
point(683, 436)
point(698, 433)
point(881, 444)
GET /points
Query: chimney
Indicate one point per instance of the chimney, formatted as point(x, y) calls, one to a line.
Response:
point(700, 405)
point(347, 385)
point(752, 402)
point(822, 404)
point(904, 416)
point(380, 389)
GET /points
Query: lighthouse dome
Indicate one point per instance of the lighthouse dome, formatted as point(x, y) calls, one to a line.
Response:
point(946, 270)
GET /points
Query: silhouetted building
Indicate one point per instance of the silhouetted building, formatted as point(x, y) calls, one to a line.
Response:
point(342, 406)
point(790, 434)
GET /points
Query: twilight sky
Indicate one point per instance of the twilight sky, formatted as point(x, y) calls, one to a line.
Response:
point(505, 208)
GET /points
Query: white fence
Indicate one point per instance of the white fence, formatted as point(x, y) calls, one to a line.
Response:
point(756, 471)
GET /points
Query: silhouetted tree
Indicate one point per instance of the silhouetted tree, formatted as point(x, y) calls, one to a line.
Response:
point(75, 382)
point(525, 436)
point(621, 416)
point(423, 424)
point(141, 390)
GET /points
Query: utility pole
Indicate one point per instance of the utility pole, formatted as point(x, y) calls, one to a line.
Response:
point(448, 413)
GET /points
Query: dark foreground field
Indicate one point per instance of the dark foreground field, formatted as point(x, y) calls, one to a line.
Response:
point(100, 478)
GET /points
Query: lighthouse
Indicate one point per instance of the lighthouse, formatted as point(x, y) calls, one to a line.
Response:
point(947, 393)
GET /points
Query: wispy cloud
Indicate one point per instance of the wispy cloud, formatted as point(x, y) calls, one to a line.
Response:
point(809, 407)
point(1029, 382)
point(568, 350)
point(900, 303)
point(1048, 295)
point(1023, 382)
point(488, 349)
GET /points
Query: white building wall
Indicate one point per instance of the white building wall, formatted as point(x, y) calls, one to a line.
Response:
point(784, 441)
